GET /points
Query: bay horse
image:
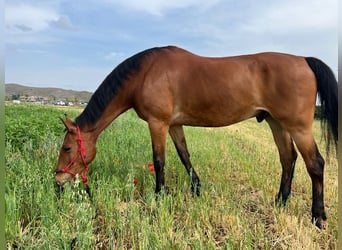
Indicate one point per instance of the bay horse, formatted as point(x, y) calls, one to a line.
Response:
point(169, 87)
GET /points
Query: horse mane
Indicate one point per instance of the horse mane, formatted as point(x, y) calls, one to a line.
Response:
point(111, 85)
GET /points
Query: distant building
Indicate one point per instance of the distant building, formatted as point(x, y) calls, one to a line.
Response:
point(60, 103)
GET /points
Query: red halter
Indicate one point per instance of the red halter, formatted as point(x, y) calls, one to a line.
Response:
point(81, 152)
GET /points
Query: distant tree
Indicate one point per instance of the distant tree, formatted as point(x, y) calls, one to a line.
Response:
point(15, 97)
point(318, 113)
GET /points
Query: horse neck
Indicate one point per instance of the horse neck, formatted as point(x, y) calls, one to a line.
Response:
point(120, 103)
point(116, 93)
point(116, 107)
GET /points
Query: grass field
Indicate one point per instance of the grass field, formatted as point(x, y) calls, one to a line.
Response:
point(238, 167)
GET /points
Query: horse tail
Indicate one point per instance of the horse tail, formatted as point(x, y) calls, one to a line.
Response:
point(327, 92)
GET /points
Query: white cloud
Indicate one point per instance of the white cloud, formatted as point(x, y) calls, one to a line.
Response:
point(63, 22)
point(24, 18)
point(159, 7)
point(292, 15)
point(302, 27)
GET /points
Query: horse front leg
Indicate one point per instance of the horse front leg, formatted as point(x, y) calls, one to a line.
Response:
point(159, 163)
point(158, 131)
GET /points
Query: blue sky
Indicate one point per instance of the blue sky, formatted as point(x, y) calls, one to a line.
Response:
point(75, 44)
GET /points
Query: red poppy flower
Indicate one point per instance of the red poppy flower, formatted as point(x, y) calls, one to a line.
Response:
point(135, 182)
point(150, 167)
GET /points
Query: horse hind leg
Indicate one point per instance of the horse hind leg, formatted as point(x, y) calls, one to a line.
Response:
point(178, 138)
point(288, 157)
point(315, 166)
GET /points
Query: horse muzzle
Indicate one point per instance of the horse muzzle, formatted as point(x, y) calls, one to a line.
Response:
point(61, 178)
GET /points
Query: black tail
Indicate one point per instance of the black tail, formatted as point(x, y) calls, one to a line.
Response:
point(327, 92)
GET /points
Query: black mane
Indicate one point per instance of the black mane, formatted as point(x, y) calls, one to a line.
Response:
point(110, 87)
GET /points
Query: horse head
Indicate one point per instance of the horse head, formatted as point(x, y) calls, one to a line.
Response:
point(77, 151)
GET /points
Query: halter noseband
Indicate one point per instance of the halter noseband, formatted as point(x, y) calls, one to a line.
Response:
point(81, 153)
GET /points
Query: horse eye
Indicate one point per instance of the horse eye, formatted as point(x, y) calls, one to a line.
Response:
point(67, 149)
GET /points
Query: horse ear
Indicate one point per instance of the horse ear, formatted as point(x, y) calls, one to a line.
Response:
point(70, 126)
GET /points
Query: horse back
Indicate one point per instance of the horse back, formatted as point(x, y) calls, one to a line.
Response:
point(184, 88)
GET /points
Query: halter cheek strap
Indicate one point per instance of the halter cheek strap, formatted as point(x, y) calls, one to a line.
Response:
point(81, 153)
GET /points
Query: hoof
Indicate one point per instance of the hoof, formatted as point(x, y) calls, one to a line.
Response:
point(163, 190)
point(280, 202)
point(320, 221)
point(195, 190)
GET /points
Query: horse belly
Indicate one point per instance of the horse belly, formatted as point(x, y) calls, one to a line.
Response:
point(212, 116)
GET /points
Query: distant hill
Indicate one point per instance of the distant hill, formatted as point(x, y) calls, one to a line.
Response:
point(12, 89)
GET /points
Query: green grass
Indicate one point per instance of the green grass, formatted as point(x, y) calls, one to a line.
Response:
point(238, 167)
